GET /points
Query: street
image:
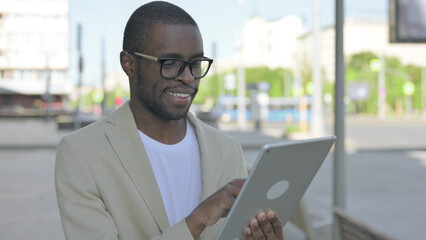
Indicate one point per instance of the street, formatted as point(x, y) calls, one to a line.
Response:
point(386, 172)
point(28, 208)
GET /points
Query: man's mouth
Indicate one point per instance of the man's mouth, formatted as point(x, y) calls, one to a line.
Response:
point(182, 95)
point(180, 92)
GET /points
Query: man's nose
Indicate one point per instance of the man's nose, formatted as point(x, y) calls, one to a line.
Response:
point(186, 75)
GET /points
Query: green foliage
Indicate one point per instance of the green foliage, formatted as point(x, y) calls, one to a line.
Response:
point(415, 73)
point(358, 70)
point(328, 88)
point(305, 70)
point(112, 95)
point(274, 77)
point(212, 86)
point(395, 79)
point(86, 101)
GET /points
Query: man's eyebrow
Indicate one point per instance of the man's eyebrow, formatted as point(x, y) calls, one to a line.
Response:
point(171, 55)
point(198, 55)
point(180, 56)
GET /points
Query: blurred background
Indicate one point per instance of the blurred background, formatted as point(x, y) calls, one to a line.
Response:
point(273, 79)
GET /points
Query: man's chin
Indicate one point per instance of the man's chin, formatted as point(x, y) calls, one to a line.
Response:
point(178, 114)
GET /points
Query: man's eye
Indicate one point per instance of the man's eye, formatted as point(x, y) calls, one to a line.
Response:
point(170, 63)
point(196, 64)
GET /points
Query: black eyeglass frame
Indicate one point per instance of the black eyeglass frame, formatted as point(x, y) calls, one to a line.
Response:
point(185, 63)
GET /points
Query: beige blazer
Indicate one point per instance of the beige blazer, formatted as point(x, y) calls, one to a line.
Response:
point(106, 187)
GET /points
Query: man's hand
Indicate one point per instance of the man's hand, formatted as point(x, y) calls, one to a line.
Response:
point(214, 207)
point(264, 226)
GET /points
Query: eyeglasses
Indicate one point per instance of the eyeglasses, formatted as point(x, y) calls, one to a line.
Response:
point(171, 68)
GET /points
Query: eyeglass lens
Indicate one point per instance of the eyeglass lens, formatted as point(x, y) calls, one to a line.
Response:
point(171, 68)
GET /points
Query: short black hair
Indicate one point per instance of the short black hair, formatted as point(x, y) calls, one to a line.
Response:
point(138, 28)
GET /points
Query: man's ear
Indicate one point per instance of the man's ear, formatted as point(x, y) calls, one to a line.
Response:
point(129, 64)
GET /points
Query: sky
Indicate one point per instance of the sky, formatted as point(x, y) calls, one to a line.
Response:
point(219, 22)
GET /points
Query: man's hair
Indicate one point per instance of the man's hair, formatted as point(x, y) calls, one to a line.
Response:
point(139, 27)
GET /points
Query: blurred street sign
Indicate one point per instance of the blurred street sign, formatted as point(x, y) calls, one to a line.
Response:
point(358, 91)
point(230, 81)
point(375, 65)
point(97, 96)
point(118, 101)
point(263, 86)
point(409, 88)
point(406, 21)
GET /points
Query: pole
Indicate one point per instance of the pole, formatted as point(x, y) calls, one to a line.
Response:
point(103, 83)
point(317, 122)
point(424, 92)
point(216, 80)
point(339, 170)
point(241, 72)
point(381, 94)
point(77, 120)
point(48, 96)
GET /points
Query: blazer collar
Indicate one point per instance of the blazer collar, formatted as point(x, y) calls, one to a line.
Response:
point(123, 135)
point(209, 156)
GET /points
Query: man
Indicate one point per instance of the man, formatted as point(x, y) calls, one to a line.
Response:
point(141, 172)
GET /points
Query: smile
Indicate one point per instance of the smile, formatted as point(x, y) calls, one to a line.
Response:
point(182, 95)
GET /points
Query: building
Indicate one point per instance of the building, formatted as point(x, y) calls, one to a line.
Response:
point(360, 36)
point(34, 56)
point(285, 43)
point(267, 43)
point(271, 43)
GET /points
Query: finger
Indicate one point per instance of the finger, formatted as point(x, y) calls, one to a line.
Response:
point(232, 190)
point(247, 234)
point(256, 230)
point(266, 226)
point(238, 182)
point(226, 198)
point(234, 186)
point(276, 224)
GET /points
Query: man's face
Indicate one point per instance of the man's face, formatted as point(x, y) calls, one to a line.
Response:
point(169, 99)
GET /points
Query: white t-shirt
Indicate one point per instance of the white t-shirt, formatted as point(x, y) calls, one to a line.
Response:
point(177, 169)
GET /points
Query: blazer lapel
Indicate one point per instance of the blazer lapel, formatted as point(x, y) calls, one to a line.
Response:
point(209, 157)
point(123, 135)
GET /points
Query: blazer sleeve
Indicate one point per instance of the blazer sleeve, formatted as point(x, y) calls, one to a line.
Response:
point(82, 210)
point(178, 231)
point(83, 213)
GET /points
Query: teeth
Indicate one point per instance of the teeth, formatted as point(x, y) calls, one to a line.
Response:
point(178, 94)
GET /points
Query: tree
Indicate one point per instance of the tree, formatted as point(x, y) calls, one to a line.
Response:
point(415, 72)
point(358, 69)
point(210, 86)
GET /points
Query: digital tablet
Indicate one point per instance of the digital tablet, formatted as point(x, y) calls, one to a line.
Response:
point(278, 180)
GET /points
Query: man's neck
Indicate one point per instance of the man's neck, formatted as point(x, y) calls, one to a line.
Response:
point(164, 131)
